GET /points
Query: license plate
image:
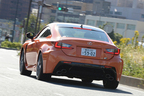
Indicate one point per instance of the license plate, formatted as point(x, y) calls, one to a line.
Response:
point(88, 52)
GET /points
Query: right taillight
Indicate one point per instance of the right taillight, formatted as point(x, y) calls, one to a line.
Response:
point(113, 51)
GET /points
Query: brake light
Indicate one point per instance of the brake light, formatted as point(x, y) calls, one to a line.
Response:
point(62, 45)
point(81, 28)
point(113, 51)
point(67, 62)
point(107, 66)
point(57, 45)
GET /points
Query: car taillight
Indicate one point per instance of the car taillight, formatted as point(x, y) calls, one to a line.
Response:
point(113, 51)
point(62, 45)
point(81, 28)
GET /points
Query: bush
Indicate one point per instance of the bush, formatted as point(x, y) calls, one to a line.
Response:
point(8, 44)
point(133, 56)
point(115, 36)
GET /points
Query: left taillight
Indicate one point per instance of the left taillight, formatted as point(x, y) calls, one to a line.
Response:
point(62, 45)
point(113, 51)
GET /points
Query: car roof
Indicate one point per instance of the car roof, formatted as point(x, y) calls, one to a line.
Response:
point(61, 24)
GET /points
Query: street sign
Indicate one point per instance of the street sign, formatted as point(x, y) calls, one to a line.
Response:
point(108, 28)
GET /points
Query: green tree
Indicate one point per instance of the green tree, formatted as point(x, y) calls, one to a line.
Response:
point(32, 22)
point(113, 36)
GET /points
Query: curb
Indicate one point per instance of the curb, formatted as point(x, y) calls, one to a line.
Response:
point(132, 81)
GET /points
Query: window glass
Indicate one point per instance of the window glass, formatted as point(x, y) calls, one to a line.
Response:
point(118, 13)
point(142, 15)
point(112, 24)
point(120, 25)
point(44, 33)
point(100, 23)
point(80, 33)
point(53, 11)
point(91, 22)
point(131, 27)
point(111, 12)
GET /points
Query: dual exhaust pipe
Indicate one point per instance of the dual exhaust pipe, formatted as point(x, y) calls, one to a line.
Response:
point(109, 77)
point(63, 71)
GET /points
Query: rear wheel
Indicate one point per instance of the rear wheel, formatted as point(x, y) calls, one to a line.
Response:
point(110, 84)
point(86, 80)
point(39, 71)
point(23, 71)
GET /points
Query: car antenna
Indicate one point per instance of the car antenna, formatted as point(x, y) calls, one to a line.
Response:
point(81, 26)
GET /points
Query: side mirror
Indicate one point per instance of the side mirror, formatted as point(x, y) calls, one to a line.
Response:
point(30, 35)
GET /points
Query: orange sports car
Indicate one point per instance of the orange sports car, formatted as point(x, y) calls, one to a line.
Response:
point(72, 50)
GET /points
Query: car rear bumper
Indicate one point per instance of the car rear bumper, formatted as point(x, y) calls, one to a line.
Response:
point(53, 62)
point(83, 70)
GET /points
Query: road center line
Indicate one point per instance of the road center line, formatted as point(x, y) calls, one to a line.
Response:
point(6, 77)
point(13, 69)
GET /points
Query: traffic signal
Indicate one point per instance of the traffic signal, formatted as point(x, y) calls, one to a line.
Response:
point(63, 9)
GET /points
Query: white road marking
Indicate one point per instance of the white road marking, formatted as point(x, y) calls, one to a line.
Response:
point(6, 77)
point(13, 69)
point(58, 94)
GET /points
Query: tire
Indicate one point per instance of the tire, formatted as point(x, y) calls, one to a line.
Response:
point(39, 71)
point(110, 84)
point(86, 80)
point(22, 68)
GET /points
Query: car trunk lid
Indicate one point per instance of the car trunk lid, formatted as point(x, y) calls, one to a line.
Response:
point(85, 48)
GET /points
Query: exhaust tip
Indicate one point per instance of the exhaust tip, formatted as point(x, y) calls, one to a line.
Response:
point(63, 70)
point(59, 73)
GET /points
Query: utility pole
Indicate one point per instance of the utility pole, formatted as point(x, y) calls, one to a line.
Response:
point(13, 33)
point(41, 5)
point(41, 9)
point(22, 35)
point(64, 13)
point(57, 11)
point(28, 18)
point(37, 19)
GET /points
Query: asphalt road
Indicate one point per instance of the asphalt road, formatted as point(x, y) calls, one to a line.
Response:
point(14, 84)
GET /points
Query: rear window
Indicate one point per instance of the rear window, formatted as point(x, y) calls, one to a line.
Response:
point(80, 33)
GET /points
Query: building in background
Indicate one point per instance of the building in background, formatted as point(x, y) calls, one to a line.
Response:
point(122, 26)
point(6, 27)
point(128, 9)
point(8, 9)
point(86, 1)
point(101, 7)
point(78, 8)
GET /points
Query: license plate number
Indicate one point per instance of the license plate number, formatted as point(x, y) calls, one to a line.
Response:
point(88, 52)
